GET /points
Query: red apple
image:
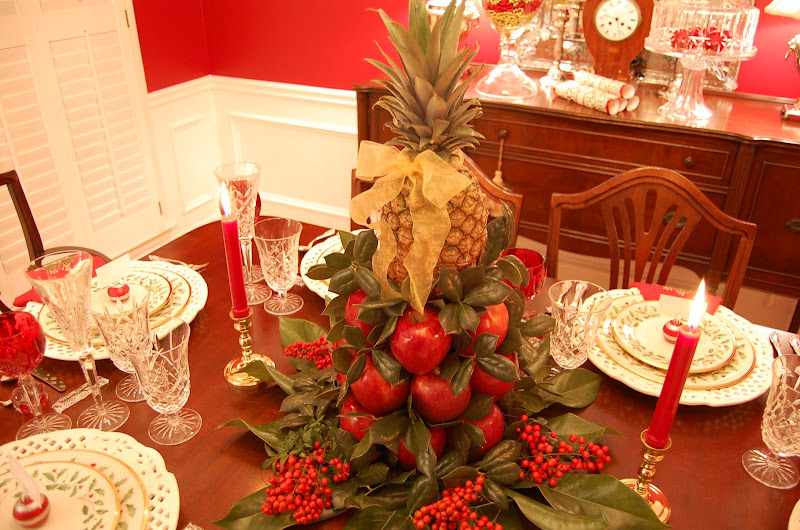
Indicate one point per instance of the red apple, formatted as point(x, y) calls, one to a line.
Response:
point(419, 342)
point(438, 441)
point(489, 385)
point(357, 426)
point(492, 426)
point(434, 399)
point(495, 321)
point(376, 394)
point(351, 310)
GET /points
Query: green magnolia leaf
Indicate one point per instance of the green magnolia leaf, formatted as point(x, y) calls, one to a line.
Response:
point(472, 277)
point(390, 497)
point(367, 280)
point(515, 304)
point(468, 318)
point(448, 462)
point(498, 367)
point(510, 271)
point(474, 434)
point(479, 406)
point(511, 343)
point(381, 303)
point(356, 369)
point(504, 452)
point(342, 494)
point(544, 516)
point(388, 430)
point(605, 496)
point(386, 330)
point(284, 381)
point(344, 282)
point(387, 365)
point(365, 246)
point(259, 370)
point(571, 424)
point(342, 359)
point(485, 344)
point(247, 515)
point(320, 271)
point(449, 366)
point(268, 432)
point(373, 474)
point(361, 448)
point(507, 473)
point(417, 437)
point(346, 238)
point(375, 517)
point(335, 307)
point(354, 337)
point(450, 284)
point(490, 292)
point(448, 318)
point(424, 491)
point(538, 326)
point(572, 388)
point(495, 494)
point(298, 330)
point(531, 400)
point(462, 376)
point(337, 261)
point(521, 268)
point(459, 476)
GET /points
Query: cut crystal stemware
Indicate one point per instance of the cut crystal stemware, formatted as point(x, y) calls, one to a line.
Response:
point(278, 240)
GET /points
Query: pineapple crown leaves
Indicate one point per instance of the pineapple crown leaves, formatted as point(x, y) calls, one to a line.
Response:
point(426, 101)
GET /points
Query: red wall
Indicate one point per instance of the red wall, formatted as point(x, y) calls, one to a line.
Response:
point(324, 43)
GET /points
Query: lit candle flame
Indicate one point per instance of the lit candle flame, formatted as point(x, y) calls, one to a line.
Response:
point(698, 306)
point(224, 200)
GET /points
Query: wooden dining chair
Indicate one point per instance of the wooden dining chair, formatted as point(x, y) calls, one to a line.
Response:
point(649, 214)
point(495, 195)
point(33, 240)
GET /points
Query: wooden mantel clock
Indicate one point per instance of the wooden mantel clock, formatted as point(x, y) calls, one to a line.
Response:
point(615, 31)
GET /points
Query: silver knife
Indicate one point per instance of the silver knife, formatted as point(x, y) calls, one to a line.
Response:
point(43, 375)
point(66, 401)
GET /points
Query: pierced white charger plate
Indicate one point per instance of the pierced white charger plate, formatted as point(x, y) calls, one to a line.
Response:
point(81, 497)
point(163, 499)
point(130, 488)
point(186, 301)
point(315, 256)
point(755, 384)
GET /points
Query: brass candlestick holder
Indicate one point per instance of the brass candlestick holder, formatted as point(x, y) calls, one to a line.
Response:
point(642, 485)
point(232, 369)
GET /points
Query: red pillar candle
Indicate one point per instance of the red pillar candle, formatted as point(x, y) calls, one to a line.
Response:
point(233, 257)
point(682, 355)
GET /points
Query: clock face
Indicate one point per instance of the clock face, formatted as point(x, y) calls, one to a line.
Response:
point(616, 20)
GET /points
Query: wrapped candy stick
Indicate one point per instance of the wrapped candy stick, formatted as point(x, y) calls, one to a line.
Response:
point(588, 97)
point(612, 86)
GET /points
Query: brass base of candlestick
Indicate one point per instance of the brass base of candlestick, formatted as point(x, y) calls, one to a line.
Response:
point(231, 372)
point(642, 485)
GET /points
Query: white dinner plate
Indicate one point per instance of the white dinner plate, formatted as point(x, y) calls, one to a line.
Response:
point(162, 489)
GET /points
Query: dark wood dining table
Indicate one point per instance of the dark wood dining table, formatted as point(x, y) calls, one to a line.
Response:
point(701, 474)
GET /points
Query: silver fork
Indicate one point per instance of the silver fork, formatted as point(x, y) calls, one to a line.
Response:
point(192, 266)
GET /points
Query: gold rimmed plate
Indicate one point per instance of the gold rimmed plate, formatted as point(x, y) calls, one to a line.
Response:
point(638, 329)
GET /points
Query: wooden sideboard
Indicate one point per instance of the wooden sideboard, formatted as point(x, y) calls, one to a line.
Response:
point(745, 158)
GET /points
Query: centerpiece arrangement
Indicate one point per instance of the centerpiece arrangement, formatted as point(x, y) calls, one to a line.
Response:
point(427, 402)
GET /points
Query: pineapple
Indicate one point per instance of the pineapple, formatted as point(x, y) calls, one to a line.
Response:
point(429, 113)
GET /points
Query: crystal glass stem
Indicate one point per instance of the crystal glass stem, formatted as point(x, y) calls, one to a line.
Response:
point(247, 257)
point(688, 104)
point(90, 373)
point(31, 394)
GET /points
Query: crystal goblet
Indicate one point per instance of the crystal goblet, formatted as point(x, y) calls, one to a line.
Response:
point(163, 372)
point(509, 18)
point(278, 240)
point(22, 345)
point(125, 327)
point(577, 308)
point(63, 280)
point(780, 428)
point(241, 182)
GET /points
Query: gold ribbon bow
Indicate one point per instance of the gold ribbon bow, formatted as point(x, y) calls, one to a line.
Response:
point(433, 183)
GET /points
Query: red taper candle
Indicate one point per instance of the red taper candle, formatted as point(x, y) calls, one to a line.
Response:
point(682, 355)
point(233, 257)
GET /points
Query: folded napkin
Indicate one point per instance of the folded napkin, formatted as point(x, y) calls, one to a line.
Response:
point(654, 292)
point(33, 296)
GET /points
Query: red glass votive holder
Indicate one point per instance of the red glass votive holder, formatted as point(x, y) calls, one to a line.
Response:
point(534, 262)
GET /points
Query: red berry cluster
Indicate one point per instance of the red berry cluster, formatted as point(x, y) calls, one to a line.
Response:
point(318, 352)
point(528, 6)
point(550, 458)
point(452, 511)
point(710, 39)
point(302, 485)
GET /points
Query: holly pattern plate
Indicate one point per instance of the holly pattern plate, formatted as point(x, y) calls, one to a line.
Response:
point(638, 329)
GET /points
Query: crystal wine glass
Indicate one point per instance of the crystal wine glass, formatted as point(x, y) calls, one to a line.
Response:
point(163, 371)
point(125, 327)
point(577, 314)
point(241, 182)
point(278, 240)
point(63, 279)
point(22, 345)
point(509, 18)
point(780, 428)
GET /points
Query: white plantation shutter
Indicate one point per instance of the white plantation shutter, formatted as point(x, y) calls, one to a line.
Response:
point(72, 118)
